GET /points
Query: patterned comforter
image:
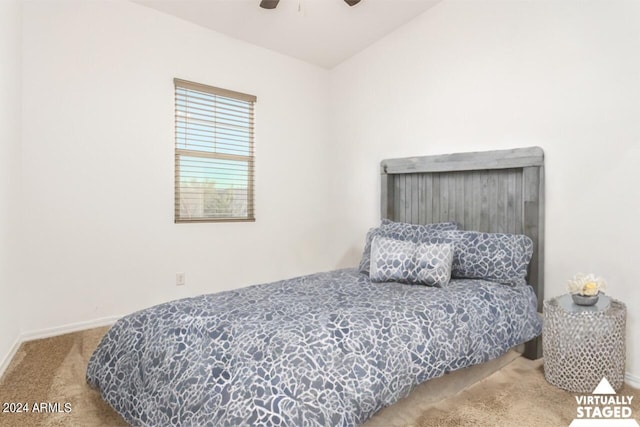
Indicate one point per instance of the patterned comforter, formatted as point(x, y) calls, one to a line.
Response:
point(329, 349)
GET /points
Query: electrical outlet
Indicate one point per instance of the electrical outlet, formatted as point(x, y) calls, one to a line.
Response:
point(180, 279)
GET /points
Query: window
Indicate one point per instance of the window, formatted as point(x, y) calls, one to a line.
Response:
point(214, 154)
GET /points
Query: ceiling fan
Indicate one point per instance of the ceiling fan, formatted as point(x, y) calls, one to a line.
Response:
point(271, 4)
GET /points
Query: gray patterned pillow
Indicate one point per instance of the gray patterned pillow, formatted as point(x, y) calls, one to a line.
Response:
point(401, 231)
point(402, 261)
point(414, 232)
point(498, 257)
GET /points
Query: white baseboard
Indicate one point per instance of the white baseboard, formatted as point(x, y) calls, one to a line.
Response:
point(12, 352)
point(632, 380)
point(52, 332)
point(66, 329)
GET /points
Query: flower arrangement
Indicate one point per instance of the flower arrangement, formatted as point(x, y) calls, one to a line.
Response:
point(586, 284)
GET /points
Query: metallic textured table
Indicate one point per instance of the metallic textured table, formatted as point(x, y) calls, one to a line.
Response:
point(581, 345)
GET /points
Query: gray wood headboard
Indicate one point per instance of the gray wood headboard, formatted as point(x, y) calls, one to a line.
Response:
point(491, 191)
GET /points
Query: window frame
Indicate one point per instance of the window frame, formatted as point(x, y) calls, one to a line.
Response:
point(249, 159)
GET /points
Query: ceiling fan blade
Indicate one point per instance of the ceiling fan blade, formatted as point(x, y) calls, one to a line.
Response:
point(270, 4)
point(352, 2)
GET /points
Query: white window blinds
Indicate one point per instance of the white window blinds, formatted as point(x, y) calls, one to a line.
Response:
point(214, 160)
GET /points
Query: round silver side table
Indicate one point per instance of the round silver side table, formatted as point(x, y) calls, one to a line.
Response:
point(581, 345)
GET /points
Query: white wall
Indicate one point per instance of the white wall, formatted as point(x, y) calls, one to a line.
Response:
point(482, 75)
point(98, 162)
point(10, 284)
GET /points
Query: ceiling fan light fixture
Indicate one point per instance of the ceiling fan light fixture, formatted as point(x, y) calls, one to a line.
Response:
point(269, 4)
point(272, 4)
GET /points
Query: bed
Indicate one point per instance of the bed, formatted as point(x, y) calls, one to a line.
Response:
point(333, 348)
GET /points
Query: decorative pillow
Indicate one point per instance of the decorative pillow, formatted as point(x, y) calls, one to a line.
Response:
point(414, 232)
point(498, 257)
point(401, 231)
point(402, 261)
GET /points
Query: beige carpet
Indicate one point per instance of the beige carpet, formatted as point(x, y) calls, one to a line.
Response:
point(517, 395)
point(52, 370)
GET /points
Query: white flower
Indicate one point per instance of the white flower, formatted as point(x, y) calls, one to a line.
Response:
point(586, 284)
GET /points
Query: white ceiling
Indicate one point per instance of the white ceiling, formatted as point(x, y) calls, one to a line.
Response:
point(322, 32)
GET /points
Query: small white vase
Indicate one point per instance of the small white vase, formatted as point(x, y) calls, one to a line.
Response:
point(585, 299)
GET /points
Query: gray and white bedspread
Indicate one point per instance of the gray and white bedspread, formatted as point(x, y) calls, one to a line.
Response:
point(329, 349)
